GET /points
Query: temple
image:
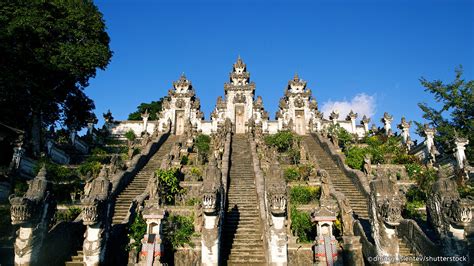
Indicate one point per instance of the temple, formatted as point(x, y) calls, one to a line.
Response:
point(242, 188)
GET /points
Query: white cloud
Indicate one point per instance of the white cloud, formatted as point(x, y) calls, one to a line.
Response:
point(362, 104)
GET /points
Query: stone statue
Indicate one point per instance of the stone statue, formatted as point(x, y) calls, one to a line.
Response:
point(367, 165)
point(325, 189)
point(385, 206)
point(346, 214)
point(32, 213)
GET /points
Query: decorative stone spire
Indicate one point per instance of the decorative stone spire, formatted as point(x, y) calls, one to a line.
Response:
point(352, 117)
point(431, 150)
point(404, 126)
point(365, 122)
point(145, 117)
point(386, 120)
point(296, 85)
point(239, 78)
point(459, 151)
point(182, 85)
point(334, 116)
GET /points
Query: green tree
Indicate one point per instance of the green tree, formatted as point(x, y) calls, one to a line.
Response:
point(153, 108)
point(456, 112)
point(48, 52)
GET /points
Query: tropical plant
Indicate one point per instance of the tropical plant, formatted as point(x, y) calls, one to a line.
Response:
point(282, 140)
point(301, 226)
point(169, 180)
point(136, 232)
point(304, 194)
point(152, 108)
point(178, 230)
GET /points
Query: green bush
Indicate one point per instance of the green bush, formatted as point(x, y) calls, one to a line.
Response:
point(291, 174)
point(20, 188)
point(193, 201)
point(55, 172)
point(136, 232)
point(282, 140)
point(355, 157)
point(130, 135)
point(416, 198)
point(466, 191)
point(178, 230)
point(92, 167)
point(184, 160)
point(69, 215)
point(304, 171)
point(344, 137)
point(203, 145)
point(301, 226)
point(304, 194)
point(169, 179)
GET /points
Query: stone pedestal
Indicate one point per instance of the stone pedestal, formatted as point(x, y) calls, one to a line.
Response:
point(278, 244)
point(210, 241)
point(352, 251)
point(152, 248)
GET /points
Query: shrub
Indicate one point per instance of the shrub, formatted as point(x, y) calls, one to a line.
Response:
point(20, 188)
point(301, 226)
point(69, 215)
point(169, 180)
point(466, 191)
point(184, 160)
point(292, 174)
point(355, 157)
point(55, 172)
point(304, 171)
point(344, 137)
point(136, 232)
point(178, 230)
point(304, 194)
point(92, 167)
point(416, 198)
point(130, 135)
point(202, 145)
point(282, 140)
point(193, 201)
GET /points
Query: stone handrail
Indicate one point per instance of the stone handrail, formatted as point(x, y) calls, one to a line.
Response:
point(416, 239)
point(357, 176)
point(261, 196)
point(368, 249)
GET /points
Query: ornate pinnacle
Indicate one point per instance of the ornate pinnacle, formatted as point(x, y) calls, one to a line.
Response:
point(404, 124)
point(296, 77)
point(365, 120)
point(386, 118)
point(351, 115)
point(239, 63)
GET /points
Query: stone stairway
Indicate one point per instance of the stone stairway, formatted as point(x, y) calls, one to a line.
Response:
point(405, 251)
point(341, 182)
point(138, 185)
point(241, 240)
point(77, 259)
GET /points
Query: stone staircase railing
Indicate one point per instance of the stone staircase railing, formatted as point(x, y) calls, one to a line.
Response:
point(225, 170)
point(261, 197)
point(368, 249)
point(416, 239)
point(360, 179)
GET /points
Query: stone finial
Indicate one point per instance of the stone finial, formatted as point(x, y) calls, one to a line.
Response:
point(239, 64)
point(459, 151)
point(351, 116)
point(387, 120)
point(334, 115)
point(182, 85)
point(404, 126)
point(108, 117)
point(365, 120)
point(296, 85)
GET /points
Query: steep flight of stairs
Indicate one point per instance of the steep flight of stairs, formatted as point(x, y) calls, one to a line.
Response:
point(77, 259)
point(241, 241)
point(138, 185)
point(341, 182)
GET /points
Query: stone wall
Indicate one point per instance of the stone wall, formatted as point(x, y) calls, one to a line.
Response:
point(300, 254)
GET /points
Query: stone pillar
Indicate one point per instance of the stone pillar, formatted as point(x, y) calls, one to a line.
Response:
point(152, 247)
point(430, 148)
point(145, 117)
point(365, 122)
point(387, 120)
point(210, 240)
point(404, 126)
point(352, 247)
point(352, 117)
point(277, 201)
point(459, 151)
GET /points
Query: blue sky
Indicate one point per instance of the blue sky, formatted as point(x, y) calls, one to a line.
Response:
point(342, 49)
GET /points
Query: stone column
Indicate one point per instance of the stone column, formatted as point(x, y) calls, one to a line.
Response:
point(404, 126)
point(365, 122)
point(145, 117)
point(353, 255)
point(387, 120)
point(277, 200)
point(352, 117)
point(459, 151)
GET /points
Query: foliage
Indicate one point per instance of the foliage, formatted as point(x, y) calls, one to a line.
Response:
point(338, 226)
point(62, 191)
point(456, 112)
point(355, 157)
point(55, 172)
point(282, 140)
point(178, 230)
point(301, 226)
point(304, 170)
point(294, 155)
point(423, 176)
point(344, 137)
point(136, 232)
point(68, 215)
point(203, 145)
point(416, 198)
point(153, 108)
point(184, 160)
point(195, 171)
point(291, 173)
point(466, 191)
point(304, 194)
point(130, 135)
point(20, 187)
point(193, 201)
point(92, 167)
point(49, 51)
point(169, 184)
